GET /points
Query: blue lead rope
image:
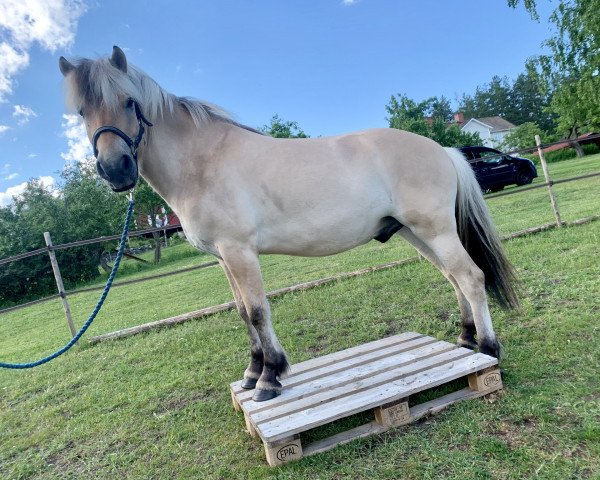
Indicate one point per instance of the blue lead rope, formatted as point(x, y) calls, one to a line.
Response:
point(96, 309)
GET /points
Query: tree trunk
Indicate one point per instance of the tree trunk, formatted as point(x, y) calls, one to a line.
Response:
point(157, 246)
point(104, 264)
point(574, 143)
point(578, 149)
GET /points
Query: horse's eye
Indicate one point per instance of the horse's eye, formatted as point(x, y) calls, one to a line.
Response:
point(129, 103)
point(81, 112)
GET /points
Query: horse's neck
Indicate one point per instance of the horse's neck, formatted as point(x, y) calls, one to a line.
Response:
point(176, 152)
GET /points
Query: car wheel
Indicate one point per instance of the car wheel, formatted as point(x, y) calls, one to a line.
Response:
point(524, 177)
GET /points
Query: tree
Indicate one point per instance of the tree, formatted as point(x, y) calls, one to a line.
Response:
point(428, 118)
point(526, 99)
point(406, 114)
point(571, 69)
point(489, 100)
point(92, 209)
point(279, 128)
point(531, 99)
point(34, 212)
point(84, 208)
point(530, 6)
point(521, 137)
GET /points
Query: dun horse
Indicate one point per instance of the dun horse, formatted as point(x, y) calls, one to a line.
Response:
point(239, 193)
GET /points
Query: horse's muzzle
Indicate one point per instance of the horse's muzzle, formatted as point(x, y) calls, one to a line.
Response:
point(121, 173)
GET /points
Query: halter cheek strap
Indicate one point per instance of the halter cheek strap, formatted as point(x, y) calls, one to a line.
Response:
point(133, 144)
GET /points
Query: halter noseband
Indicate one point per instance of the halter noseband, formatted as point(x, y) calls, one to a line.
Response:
point(132, 144)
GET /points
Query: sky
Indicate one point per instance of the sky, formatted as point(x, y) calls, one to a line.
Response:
point(330, 65)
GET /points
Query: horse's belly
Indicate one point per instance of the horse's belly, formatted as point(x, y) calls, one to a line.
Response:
point(317, 238)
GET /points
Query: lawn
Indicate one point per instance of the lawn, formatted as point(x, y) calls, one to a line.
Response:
point(157, 405)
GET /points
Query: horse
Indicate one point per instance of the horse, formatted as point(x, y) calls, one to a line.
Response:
point(239, 193)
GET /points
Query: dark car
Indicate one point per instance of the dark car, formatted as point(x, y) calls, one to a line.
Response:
point(494, 170)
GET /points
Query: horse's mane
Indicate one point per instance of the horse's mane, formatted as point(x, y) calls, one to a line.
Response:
point(97, 83)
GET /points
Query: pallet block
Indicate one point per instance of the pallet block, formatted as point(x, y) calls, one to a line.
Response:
point(378, 376)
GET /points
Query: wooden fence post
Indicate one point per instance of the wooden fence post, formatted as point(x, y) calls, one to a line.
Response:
point(538, 142)
point(59, 283)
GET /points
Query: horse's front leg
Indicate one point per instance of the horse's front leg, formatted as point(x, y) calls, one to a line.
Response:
point(255, 368)
point(242, 264)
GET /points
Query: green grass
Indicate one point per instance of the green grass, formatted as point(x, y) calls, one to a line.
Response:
point(157, 405)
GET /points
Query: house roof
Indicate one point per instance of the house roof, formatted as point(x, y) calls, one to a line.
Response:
point(496, 124)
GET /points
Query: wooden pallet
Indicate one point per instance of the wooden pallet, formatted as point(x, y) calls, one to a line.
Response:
point(378, 376)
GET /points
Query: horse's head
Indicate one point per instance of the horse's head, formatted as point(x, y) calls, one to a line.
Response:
point(105, 96)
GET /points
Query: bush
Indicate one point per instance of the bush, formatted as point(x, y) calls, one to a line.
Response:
point(564, 154)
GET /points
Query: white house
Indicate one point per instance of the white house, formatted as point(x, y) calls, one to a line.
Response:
point(492, 130)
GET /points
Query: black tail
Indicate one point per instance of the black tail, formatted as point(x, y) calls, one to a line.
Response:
point(479, 237)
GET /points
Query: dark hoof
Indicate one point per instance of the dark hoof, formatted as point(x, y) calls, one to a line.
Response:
point(249, 383)
point(470, 344)
point(264, 395)
point(491, 347)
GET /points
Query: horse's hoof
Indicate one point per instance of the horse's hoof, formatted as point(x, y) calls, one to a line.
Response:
point(491, 347)
point(249, 383)
point(264, 395)
point(471, 345)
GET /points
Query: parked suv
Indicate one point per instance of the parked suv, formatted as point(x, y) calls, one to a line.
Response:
point(494, 170)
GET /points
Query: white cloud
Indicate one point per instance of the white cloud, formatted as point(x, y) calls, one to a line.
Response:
point(4, 128)
point(349, 2)
point(23, 114)
point(6, 197)
point(49, 23)
point(80, 149)
point(12, 176)
point(32, 155)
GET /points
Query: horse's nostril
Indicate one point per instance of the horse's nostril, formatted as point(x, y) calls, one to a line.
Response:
point(101, 170)
point(125, 163)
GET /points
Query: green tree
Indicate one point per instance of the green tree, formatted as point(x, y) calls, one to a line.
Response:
point(489, 100)
point(406, 114)
point(571, 69)
point(526, 99)
point(531, 99)
point(83, 208)
point(428, 118)
point(521, 137)
point(530, 6)
point(92, 209)
point(279, 128)
point(35, 211)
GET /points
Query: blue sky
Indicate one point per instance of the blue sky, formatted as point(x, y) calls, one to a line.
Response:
point(330, 65)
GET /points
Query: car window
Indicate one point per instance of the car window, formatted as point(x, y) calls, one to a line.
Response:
point(490, 156)
point(468, 154)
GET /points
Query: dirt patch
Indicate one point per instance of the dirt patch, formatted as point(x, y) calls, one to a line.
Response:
point(60, 460)
point(177, 403)
point(322, 341)
point(514, 434)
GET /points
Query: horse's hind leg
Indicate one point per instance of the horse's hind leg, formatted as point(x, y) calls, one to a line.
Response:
point(456, 262)
point(467, 335)
point(255, 368)
point(244, 268)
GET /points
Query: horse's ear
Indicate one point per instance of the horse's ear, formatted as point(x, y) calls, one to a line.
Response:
point(118, 59)
point(65, 66)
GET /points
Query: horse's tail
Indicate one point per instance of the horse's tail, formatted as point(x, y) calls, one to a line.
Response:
point(479, 237)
